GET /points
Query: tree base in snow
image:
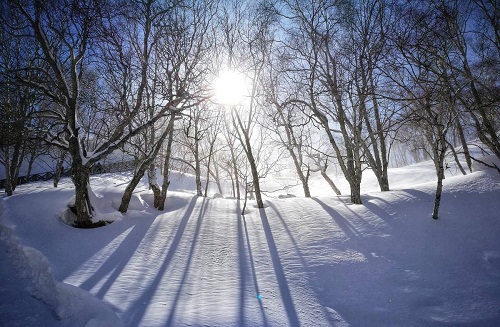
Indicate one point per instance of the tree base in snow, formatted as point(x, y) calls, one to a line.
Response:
point(91, 224)
point(68, 217)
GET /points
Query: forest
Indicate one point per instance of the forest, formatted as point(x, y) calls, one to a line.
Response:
point(235, 91)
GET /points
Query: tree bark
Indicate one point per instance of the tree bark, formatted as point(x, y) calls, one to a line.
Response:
point(153, 184)
point(127, 194)
point(8, 178)
point(330, 182)
point(439, 190)
point(251, 161)
point(59, 168)
point(166, 165)
point(82, 206)
point(236, 184)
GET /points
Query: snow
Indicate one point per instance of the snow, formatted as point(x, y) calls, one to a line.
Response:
point(310, 262)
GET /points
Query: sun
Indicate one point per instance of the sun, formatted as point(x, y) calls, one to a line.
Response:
point(230, 88)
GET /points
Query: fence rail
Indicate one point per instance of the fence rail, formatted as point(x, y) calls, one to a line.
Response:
point(113, 167)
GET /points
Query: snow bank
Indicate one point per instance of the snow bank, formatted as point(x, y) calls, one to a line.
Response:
point(69, 304)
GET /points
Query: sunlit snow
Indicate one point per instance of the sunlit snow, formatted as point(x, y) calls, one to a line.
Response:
point(298, 262)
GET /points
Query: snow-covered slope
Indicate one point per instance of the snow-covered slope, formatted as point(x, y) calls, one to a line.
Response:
point(307, 262)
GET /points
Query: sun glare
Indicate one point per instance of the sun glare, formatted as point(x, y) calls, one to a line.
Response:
point(230, 88)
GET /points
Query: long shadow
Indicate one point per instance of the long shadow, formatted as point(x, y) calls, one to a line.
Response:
point(289, 232)
point(420, 195)
point(141, 304)
point(279, 272)
point(343, 223)
point(243, 247)
point(376, 209)
point(304, 263)
point(118, 259)
point(349, 229)
point(188, 263)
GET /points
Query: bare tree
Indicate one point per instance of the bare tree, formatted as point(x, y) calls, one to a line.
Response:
point(18, 101)
point(64, 31)
point(247, 40)
point(425, 48)
point(288, 124)
point(369, 28)
point(185, 49)
point(320, 41)
point(477, 79)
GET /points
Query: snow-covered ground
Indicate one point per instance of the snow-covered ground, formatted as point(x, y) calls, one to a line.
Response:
point(298, 262)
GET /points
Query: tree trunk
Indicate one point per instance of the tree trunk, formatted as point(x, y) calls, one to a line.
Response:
point(463, 141)
point(457, 161)
point(197, 169)
point(251, 161)
point(236, 185)
point(216, 177)
point(127, 194)
point(290, 144)
point(384, 160)
point(210, 153)
point(58, 171)
point(384, 181)
point(17, 161)
point(13, 161)
point(439, 189)
point(31, 161)
point(355, 193)
point(305, 183)
point(439, 149)
point(166, 165)
point(245, 201)
point(153, 184)
point(304, 178)
point(330, 182)
point(8, 179)
point(82, 207)
point(255, 176)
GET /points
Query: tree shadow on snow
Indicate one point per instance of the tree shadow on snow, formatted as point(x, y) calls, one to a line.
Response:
point(139, 308)
point(279, 272)
point(244, 265)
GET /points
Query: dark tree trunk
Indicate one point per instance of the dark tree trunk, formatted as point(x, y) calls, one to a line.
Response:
point(12, 166)
point(145, 165)
point(251, 161)
point(463, 141)
point(197, 169)
point(127, 195)
point(166, 165)
point(236, 185)
point(356, 193)
point(58, 171)
point(31, 161)
point(255, 176)
point(8, 178)
point(439, 189)
point(82, 207)
point(457, 161)
point(153, 185)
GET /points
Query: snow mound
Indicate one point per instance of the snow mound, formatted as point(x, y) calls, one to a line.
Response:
point(68, 304)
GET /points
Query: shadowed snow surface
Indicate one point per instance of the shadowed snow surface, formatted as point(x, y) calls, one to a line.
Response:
point(298, 262)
